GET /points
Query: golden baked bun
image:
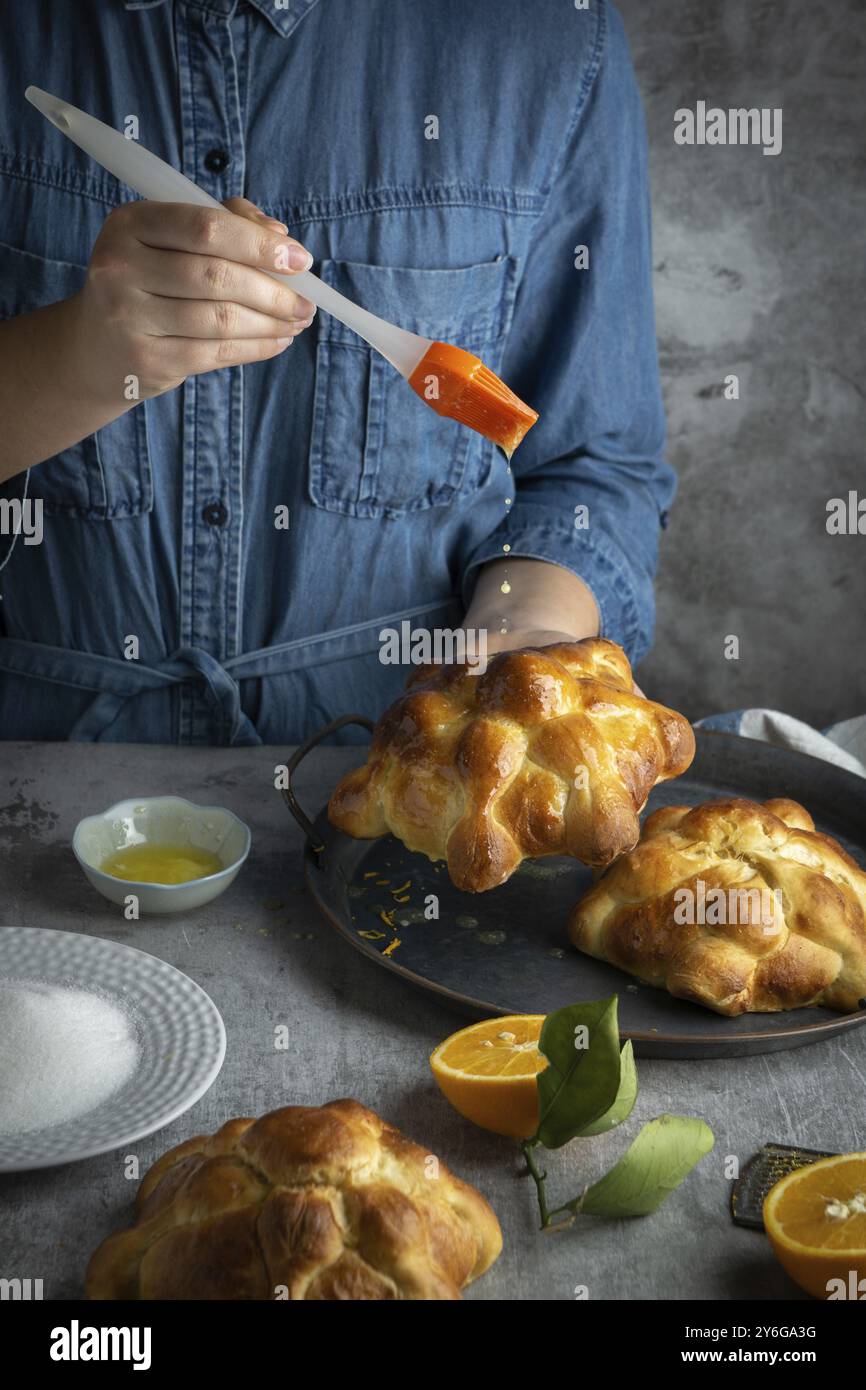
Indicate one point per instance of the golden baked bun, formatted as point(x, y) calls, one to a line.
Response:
point(550, 751)
point(308, 1202)
point(787, 929)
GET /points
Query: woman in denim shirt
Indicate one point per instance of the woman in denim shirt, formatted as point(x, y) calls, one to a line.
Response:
point(218, 559)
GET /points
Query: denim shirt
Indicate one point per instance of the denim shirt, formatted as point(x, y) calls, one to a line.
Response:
point(162, 526)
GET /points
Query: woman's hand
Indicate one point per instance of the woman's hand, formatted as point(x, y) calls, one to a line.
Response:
point(173, 290)
point(542, 606)
point(535, 602)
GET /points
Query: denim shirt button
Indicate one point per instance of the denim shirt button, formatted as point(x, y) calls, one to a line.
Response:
point(215, 514)
point(216, 161)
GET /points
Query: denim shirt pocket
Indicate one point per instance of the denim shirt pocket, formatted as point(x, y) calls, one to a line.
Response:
point(376, 450)
point(107, 475)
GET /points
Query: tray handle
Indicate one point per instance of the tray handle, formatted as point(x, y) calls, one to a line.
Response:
point(297, 758)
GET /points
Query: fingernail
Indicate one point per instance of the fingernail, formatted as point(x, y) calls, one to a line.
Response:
point(285, 342)
point(304, 308)
point(299, 259)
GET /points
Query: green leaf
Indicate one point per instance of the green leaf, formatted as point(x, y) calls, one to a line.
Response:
point(625, 1096)
point(665, 1152)
point(582, 1081)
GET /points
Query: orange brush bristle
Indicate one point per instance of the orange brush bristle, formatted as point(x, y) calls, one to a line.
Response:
point(456, 383)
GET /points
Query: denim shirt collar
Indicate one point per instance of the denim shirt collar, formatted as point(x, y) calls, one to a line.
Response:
point(285, 21)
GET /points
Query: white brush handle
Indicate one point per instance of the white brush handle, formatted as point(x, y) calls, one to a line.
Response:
point(153, 178)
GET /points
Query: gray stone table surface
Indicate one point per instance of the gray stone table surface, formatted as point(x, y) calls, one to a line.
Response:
point(357, 1031)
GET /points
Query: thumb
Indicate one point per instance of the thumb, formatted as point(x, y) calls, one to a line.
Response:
point(242, 207)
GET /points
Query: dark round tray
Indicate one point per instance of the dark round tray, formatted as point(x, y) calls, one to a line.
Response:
point(506, 951)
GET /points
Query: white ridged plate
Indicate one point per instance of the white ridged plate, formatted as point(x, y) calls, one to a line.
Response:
point(180, 1033)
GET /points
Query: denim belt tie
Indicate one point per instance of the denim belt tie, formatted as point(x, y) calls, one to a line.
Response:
point(114, 681)
point(118, 681)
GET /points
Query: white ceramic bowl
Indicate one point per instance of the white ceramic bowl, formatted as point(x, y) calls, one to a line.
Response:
point(161, 820)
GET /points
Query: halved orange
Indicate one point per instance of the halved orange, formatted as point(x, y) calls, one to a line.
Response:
point(488, 1073)
point(816, 1220)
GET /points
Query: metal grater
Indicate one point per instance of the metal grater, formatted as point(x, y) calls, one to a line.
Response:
point(763, 1171)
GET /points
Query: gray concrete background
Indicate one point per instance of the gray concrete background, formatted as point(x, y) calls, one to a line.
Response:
point(356, 1030)
point(759, 271)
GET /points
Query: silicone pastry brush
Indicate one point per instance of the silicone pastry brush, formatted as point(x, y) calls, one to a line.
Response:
point(450, 380)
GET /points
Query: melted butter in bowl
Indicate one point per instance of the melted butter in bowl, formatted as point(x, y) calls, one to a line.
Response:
point(161, 863)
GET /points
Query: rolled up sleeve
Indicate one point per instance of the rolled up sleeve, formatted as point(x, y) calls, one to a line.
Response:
point(582, 351)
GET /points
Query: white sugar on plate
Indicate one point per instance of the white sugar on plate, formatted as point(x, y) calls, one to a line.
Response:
point(63, 1050)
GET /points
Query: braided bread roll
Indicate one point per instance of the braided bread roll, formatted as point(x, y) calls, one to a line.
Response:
point(308, 1202)
point(792, 909)
point(550, 751)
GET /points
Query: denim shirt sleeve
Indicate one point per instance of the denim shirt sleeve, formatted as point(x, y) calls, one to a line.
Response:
point(582, 351)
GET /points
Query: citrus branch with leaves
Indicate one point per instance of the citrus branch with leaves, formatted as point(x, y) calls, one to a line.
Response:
point(589, 1087)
